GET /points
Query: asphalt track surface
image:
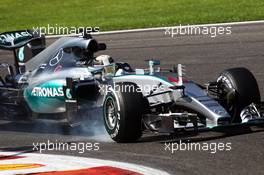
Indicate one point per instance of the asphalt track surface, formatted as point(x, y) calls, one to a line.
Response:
point(205, 58)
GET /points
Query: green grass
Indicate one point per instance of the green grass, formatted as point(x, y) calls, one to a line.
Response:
point(124, 14)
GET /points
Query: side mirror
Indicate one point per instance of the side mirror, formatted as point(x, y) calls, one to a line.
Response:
point(152, 64)
point(92, 46)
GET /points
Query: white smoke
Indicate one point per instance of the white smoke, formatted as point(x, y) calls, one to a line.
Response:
point(92, 126)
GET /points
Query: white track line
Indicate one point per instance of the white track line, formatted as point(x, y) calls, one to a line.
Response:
point(161, 28)
point(63, 163)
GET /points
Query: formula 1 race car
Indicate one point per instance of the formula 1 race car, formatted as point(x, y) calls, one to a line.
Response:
point(66, 77)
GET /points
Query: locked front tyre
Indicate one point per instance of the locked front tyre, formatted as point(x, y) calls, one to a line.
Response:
point(239, 89)
point(122, 111)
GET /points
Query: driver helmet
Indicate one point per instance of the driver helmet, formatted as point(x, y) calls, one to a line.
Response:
point(108, 62)
point(104, 60)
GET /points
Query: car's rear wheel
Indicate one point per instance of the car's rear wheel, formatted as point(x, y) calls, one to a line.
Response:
point(245, 90)
point(122, 111)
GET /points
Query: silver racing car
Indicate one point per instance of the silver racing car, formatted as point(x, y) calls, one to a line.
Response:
point(67, 79)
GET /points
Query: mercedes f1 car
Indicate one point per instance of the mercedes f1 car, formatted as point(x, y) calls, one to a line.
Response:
point(67, 76)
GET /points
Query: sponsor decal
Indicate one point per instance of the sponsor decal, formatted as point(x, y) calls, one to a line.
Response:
point(175, 79)
point(47, 92)
point(9, 38)
point(21, 55)
point(68, 93)
point(57, 58)
point(42, 66)
point(58, 69)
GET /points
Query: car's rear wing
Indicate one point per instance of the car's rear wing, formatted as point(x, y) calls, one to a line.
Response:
point(25, 44)
point(16, 39)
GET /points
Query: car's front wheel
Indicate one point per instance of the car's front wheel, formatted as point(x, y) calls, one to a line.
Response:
point(244, 90)
point(122, 111)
